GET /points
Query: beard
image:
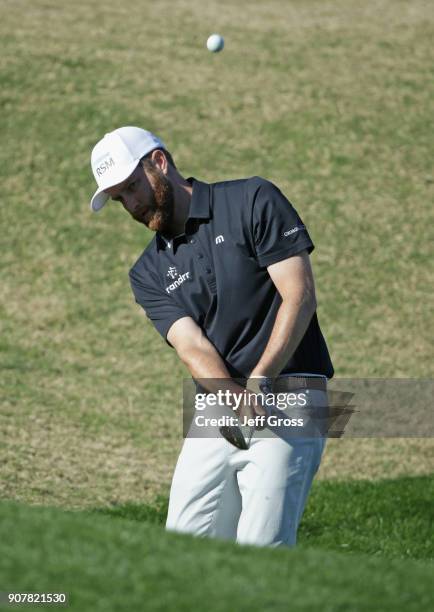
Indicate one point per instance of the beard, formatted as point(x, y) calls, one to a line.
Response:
point(159, 216)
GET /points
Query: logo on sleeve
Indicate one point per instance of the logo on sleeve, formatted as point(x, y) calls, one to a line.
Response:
point(294, 230)
point(219, 239)
point(178, 279)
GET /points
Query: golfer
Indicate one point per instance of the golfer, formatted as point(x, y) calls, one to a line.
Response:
point(227, 282)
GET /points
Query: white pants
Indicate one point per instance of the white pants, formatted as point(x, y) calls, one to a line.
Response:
point(255, 496)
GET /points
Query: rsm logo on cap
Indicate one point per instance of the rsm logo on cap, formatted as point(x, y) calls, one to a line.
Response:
point(104, 166)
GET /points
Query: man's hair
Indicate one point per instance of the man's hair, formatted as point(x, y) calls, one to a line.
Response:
point(166, 153)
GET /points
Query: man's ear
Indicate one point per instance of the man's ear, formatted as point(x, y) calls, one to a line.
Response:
point(160, 160)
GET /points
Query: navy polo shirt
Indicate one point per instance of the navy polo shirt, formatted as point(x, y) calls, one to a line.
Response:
point(216, 273)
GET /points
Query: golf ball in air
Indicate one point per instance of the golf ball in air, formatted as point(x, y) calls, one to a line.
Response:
point(215, 43)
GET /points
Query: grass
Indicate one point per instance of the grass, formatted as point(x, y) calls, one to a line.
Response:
point(386, 518)
point(111, 563)
point(331, 100)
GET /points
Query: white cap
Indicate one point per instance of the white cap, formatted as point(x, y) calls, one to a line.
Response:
point(116, 156)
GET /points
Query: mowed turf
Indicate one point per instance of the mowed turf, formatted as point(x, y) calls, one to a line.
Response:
point(331, 100)
point(390, 518)
point(107, 563)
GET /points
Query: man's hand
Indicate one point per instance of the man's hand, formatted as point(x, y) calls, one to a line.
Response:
point(206, 366)
point(251, 415)
point(258, 387)
point(250, 409)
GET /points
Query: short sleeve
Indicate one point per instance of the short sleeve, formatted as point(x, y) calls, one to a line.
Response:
point(278, 231)
point(159, 307)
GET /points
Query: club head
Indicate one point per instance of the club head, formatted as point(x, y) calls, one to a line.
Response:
point(235, 436)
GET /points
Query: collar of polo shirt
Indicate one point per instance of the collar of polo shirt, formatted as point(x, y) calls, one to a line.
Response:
point(200, 208)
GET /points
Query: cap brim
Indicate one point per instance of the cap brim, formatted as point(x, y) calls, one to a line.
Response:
point(100, 197)
point(98, 200)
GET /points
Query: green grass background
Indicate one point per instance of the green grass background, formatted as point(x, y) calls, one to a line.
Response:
point(332, 100)
point(104, 563)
